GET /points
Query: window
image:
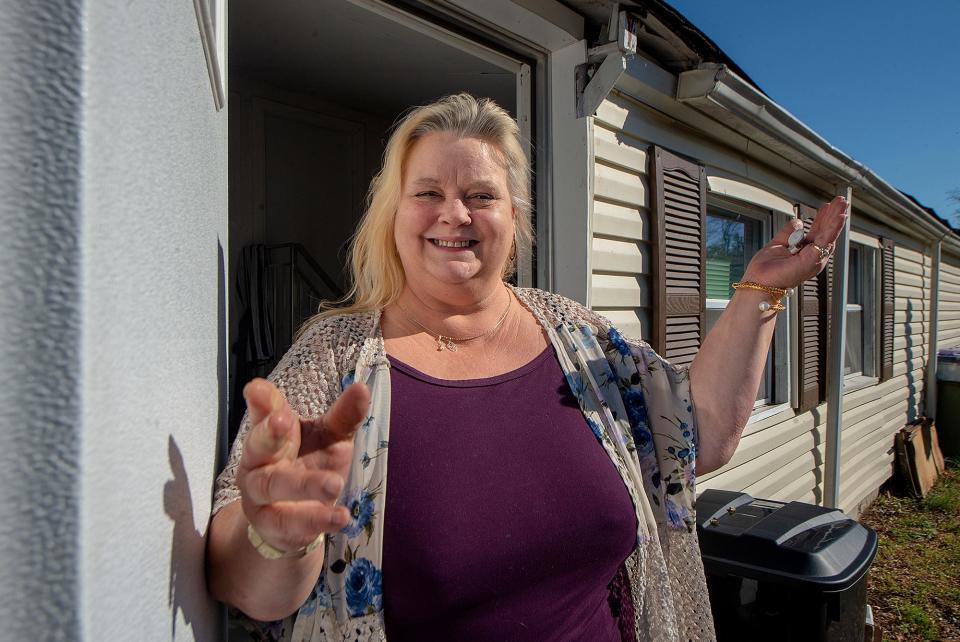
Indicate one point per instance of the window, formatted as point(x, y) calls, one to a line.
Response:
point(702, 242)
point(734, 235)
point(860, 349)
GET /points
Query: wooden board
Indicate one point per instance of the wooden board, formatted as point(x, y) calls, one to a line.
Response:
point(919, 457)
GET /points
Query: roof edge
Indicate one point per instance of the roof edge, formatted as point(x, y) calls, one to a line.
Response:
point(718, 91)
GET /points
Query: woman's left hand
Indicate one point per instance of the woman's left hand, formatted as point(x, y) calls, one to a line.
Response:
point(775, 266)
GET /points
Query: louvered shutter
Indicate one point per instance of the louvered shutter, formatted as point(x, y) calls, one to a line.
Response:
point(826, 290)
point(811, 339)
point(679, 203)
point(887, 302)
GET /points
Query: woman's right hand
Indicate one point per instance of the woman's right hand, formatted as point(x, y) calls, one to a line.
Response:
point(292, 470)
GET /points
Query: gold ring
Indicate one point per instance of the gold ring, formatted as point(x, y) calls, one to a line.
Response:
point(824, 251)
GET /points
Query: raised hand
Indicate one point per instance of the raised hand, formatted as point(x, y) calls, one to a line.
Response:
point(292, 470)
point(774, 265)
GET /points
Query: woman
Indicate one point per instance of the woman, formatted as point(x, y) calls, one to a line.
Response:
point(505, 519)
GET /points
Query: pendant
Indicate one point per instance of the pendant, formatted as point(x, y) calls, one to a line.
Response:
point(445, 343)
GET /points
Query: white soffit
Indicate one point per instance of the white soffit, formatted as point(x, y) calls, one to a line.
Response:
point(748, 193)
point(864, 239)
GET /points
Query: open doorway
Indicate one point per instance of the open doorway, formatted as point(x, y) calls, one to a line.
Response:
point(314, 90)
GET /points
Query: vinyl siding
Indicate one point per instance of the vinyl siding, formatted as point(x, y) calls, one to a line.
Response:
point(620, 246)
point(948, 324)
point(779, 457)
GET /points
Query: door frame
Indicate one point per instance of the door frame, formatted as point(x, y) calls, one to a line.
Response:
point(473, 46)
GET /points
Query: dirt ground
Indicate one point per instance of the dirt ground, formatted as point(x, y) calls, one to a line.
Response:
point(914, 584)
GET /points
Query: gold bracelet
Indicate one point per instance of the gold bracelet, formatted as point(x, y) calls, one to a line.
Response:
point(775, 294)
point(273, 553)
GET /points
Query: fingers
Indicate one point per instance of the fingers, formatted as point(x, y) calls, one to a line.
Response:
point(275, 429)
point(340, 422)
point(829, 221)
point(335, 456)
point(262, 398)
point(284, 482)
point(289, 526)
point(784, 233)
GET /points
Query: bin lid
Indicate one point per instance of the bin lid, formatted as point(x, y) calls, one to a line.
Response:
point(950, 355)
point(948, 364)
point(786, 542)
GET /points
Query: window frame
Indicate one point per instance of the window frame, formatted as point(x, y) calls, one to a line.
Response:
point(779, 366)
point(869, 286)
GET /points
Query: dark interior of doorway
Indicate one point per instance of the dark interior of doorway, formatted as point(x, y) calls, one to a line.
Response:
point(314, 90)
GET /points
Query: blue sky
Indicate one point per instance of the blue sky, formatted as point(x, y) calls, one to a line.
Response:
point(878, 79)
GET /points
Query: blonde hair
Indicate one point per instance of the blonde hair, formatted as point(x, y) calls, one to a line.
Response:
point(376, 274)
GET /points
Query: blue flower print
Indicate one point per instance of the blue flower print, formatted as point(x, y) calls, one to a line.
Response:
point(636, 407)
point(576, 383)
point(617, 340)
point(642, 440)
point(586, 332)
point(319, 598)
point(364, 588)
point(347, 380)
point(595, 428)
point(359, 502)
point(676, 513)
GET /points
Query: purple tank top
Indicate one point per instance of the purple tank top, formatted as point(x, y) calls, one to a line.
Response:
point(504, 517)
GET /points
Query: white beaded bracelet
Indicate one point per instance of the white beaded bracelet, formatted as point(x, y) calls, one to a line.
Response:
point(272, 553)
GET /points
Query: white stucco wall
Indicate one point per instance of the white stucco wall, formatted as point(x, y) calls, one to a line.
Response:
point(40, 96)
point(154, 229)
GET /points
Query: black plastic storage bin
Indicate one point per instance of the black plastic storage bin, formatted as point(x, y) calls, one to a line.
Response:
point(790, 572)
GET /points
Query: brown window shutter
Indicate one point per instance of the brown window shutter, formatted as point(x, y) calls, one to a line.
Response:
point(679, 203)
point(887, 305)
point(811, 339)
point(825, 280)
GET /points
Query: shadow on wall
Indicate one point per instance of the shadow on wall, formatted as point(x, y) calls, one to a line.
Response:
point(187, 592)
point(223, 380)
point(818, 468)
point(912, 401)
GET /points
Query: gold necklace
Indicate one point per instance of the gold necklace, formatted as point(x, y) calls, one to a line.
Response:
point(450, 343)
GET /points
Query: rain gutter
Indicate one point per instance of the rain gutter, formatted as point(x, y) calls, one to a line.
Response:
point(717, 91)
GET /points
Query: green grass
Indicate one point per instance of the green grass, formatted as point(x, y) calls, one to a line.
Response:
point(918, 619)
point(914, 584)
point(944, 498)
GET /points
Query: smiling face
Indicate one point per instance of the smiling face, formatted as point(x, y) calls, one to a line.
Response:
point(455, 222)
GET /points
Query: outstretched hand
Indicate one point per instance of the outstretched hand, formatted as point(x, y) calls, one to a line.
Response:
point(292, 469)
point(774, 265)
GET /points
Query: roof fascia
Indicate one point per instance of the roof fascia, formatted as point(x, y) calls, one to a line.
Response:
point(715, 90)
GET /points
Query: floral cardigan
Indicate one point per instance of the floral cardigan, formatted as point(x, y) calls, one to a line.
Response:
point(637, 405)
